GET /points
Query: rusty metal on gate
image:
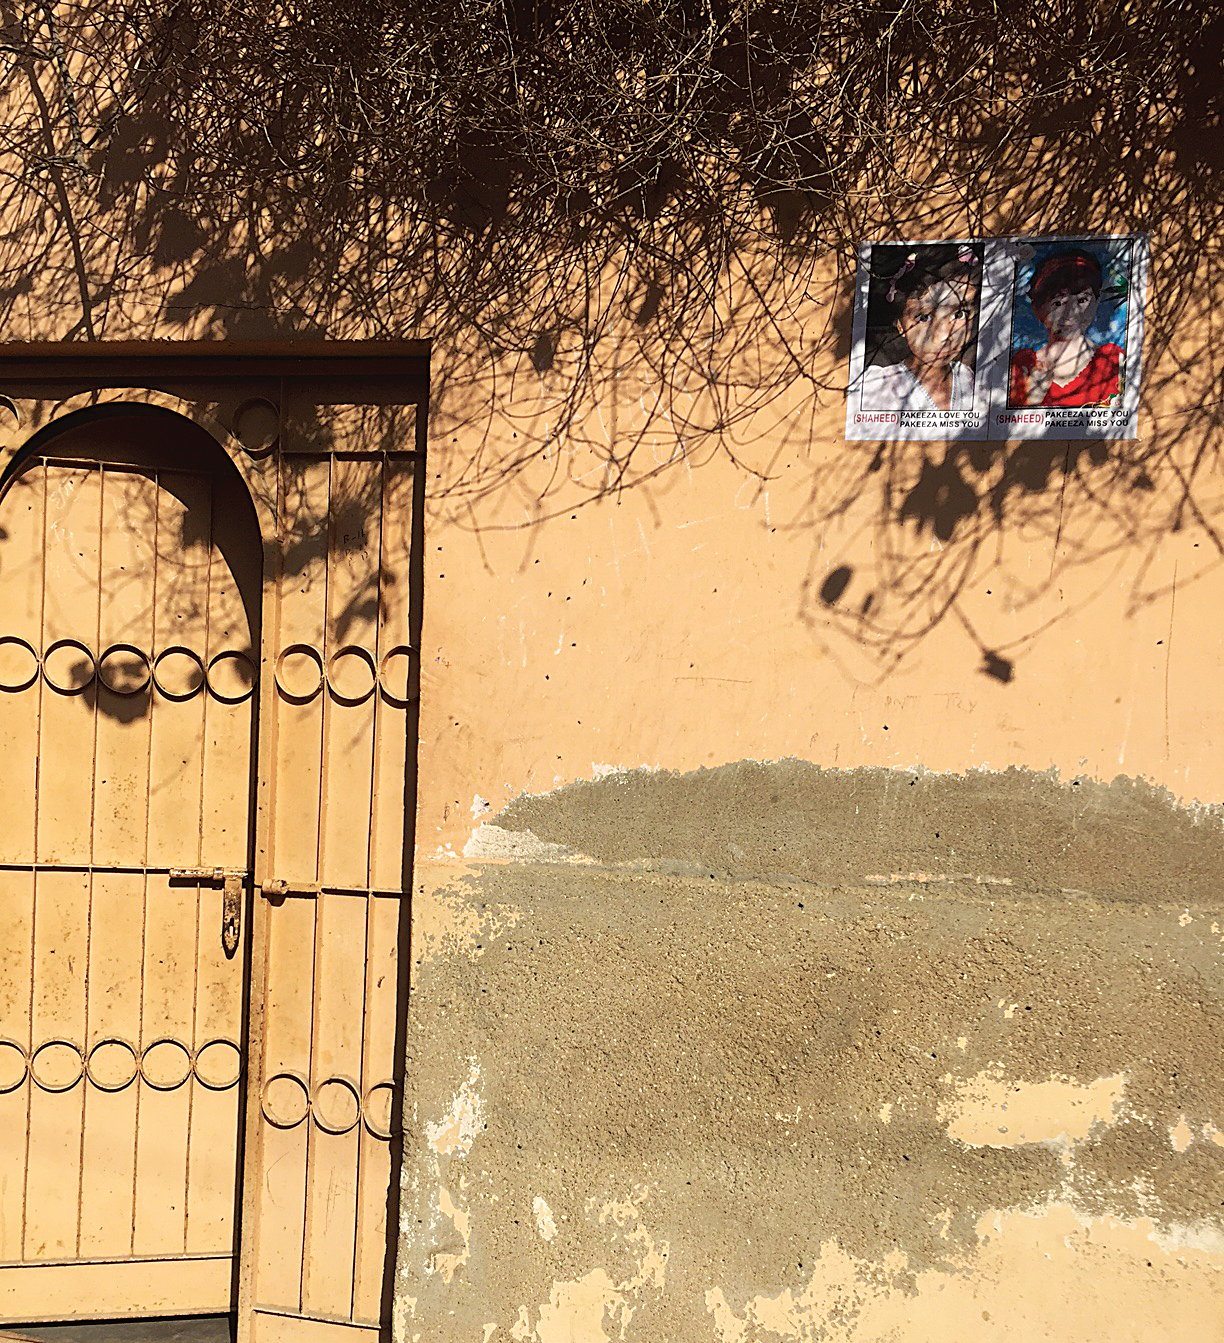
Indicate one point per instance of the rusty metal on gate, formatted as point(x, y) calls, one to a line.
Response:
point(207, 722)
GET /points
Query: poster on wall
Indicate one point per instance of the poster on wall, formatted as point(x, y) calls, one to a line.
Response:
point(997, 338)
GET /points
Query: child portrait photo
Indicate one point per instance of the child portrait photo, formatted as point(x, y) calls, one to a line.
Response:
point(1069, 324)
point(922, 324)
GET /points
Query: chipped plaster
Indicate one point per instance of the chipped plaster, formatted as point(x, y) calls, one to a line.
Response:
point(596, 1307)
point(1041, 1273)
point(990, 1110)
point(809, 1073)
point(455, 1132)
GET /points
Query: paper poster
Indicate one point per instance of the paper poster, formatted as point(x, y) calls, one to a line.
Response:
point(997, 338)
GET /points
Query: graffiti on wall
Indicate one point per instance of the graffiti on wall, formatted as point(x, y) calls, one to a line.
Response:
point(997, 338)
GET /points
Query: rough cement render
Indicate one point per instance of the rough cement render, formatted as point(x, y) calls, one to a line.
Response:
point(688, 1099)
point(1031, 832)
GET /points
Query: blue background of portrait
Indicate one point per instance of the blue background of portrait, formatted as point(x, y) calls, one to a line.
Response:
point(1110, 324)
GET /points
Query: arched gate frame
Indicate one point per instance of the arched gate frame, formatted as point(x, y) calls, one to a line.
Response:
point(329, 441)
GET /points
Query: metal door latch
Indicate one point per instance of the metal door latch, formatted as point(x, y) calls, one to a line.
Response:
point(279, 886)
point(231, 880)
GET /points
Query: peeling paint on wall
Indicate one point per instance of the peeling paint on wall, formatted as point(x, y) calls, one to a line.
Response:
point(546, 1223)
point(987, 1110)
point(1047, 1273)
point(493, 842)
point(446, 919)
point(597, 1307)
point(455, 1132)
point(448, 1261)
point(1183, 1134)
point(450, 1140)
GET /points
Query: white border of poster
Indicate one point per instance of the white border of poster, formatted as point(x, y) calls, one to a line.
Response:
point(996, 296)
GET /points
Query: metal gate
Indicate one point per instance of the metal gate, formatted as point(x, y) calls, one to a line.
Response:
point(197, 1068)
point(126, 728)
point(327, 979)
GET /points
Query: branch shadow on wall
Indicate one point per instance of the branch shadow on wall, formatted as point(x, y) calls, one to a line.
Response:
point(666, 288)
point(623, 278)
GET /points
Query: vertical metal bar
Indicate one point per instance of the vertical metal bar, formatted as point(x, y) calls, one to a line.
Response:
point(208, 603)
point(399, 1096)
point(93, 792)
point(320, 859)
point(93, 802)
point(361, 1091)
point(85, 1052)
point(195, 978)
point(325, 649)
point(205, 653)
point(93, 805)
point(140, 1034)
point(380, 710)
point(42, 690)
point(259, 936)
point(379, 652)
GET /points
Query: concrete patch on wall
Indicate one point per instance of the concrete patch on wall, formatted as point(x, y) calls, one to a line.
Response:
point(598, 1306)
point(436, 1193)
point(764, 1102)
point(451, 1255)
point(518, 846)
point(1030, 831)
point(455, 1132)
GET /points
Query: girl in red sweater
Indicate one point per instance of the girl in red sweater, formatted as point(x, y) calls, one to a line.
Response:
point(1068, 370)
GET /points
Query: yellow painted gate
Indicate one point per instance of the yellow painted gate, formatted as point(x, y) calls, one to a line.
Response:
point(207, 728)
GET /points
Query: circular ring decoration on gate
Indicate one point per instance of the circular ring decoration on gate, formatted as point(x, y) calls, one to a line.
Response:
point(376, 1110)
point(178, 672)
point(213, 1069)
point(231, 675)
point(165, 1064)
point(395, 675)
point(337, 1105)
point(18, 663)
point(124, 670)
point(68, 666)
point(286, 1100)
point(352, 674)
point(62, 1065)
point(14, 1066)
point(299, 673)
point(112, 1064)
point(257, 425)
